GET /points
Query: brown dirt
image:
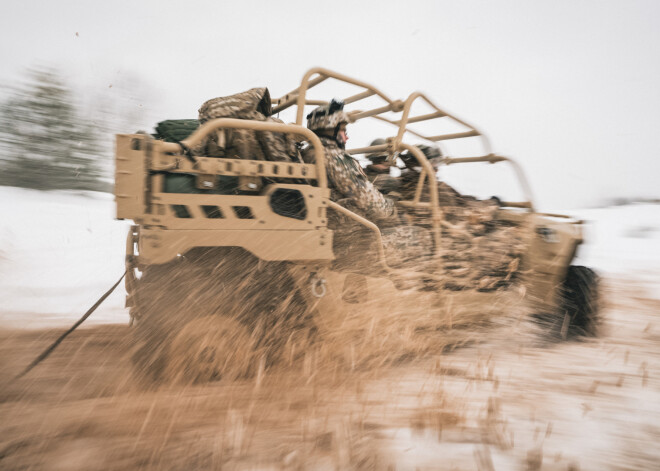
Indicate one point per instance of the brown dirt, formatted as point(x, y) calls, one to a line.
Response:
point(375, 393)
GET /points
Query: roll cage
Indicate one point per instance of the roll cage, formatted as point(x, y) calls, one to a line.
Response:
point(175, 157)
point(315, 76)
point(318, 75)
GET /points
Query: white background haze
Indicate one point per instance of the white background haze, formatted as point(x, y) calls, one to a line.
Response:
point(569, 88)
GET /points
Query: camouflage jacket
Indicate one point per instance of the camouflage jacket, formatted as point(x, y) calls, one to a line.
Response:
point(347, 180)
point(255, 105)
point(409, 179)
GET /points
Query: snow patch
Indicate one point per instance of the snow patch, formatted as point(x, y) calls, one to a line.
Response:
point(61, 250)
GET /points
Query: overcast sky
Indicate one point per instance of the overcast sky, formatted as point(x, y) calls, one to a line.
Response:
point(568, 88)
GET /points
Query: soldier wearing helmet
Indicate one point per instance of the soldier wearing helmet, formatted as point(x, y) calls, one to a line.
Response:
point(432, 154)
point(377, 159)
point(457, 207)
point(447, 196)
point(345, 176)
point(378, 171)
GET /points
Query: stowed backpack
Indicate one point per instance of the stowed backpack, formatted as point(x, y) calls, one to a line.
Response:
point(175, 130)
point(255, 105)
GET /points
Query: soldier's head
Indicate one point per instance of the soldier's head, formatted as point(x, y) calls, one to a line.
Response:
point(377, 157)
point(432, 153)
point(330, 121)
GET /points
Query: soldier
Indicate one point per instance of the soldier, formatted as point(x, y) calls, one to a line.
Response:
point(378, 171)
point(456, 206)
point(377, 159)
point(346, 177)
point(447, 196)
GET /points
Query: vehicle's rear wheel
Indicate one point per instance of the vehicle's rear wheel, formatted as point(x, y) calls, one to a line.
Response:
point(227, 284)
point(210, 348)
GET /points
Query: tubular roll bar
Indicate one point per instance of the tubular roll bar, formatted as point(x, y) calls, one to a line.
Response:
point(213, 125)
point(318, 75)
point(491, 158)
point(381, 252)
point(298, 97)
point(324, 74)
point(474, 132)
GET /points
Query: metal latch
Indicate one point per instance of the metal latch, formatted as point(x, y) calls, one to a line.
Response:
point(317, 285)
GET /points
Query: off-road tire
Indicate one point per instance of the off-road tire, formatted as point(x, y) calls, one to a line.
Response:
point(227, 283)
point(577, 314)
point(210, 348)
point(580, 302)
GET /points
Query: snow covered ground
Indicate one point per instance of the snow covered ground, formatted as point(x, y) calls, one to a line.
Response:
point(59, 251)
point(518, 404)
point(622, 240)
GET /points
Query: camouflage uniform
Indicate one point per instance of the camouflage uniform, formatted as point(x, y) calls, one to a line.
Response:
point(407, 187)
point(381, 178)
point(255, 105)
point(484, 261)
point(409, 178)
point(347, 180)
point(385, 183)
point(345, 176)
point(478, 250)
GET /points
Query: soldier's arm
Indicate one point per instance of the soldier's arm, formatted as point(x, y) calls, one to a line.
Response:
point(348, 178)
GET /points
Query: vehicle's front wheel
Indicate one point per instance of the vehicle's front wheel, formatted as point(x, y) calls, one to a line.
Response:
point(579, 303)
point(577, 313)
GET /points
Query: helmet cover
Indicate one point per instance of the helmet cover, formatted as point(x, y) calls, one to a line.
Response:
point(327, 117)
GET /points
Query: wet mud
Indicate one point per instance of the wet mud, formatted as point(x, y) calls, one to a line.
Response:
point(487, 394)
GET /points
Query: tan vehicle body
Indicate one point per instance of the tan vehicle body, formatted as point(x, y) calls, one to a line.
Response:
point(247, 221)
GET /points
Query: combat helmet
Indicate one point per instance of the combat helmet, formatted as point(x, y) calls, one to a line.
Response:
point(326, 119)
point(432, 153)
point(377, 157)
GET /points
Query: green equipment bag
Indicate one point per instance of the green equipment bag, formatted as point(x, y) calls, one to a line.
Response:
point(176, 130)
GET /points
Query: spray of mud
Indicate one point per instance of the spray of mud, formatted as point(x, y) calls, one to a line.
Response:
point(400, 380)
point(239, 377)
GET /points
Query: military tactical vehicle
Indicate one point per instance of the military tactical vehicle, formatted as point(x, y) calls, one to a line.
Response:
point(247, 241)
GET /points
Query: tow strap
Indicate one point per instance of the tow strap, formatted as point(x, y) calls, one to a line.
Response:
point(54, 345)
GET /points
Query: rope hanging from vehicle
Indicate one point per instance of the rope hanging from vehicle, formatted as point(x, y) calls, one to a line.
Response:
point(54, 345)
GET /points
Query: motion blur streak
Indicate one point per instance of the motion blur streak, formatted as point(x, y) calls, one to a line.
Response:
point(401, 381)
